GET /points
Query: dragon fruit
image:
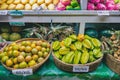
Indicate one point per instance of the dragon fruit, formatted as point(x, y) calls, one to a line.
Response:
point(101, 6)
point(91, 6)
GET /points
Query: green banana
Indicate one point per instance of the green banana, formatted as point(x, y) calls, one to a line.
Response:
point(87, 43)
point(56, 45)
point(96, 42)
point(63, 50)
point(77, 57)
point(68, 57)
point(84, 57)
point(78, 45)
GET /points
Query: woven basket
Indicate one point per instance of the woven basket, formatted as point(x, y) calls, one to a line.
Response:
point(112, 63)
point(35, 67)
point(69, 67)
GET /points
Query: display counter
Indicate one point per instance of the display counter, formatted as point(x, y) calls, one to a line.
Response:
point(49, 71)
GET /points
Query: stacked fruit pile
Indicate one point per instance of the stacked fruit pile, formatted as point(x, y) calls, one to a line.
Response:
point(34, 4)
point(79, 49)
point(10, 33)
point(103, 5)
point(112, 44)
point(25, 54)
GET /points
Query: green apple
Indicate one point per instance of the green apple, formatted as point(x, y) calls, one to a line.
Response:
point(74, 3)
point(77, 8)
point(69, 7)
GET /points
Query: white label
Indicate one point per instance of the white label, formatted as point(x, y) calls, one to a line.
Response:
point(101, 13)
point(80, 68)
point(23, 72)
point(3, 12)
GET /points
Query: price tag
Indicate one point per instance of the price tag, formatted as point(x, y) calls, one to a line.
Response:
point(103, 13)
point(80, 68)
point(16, 13)
point(23, 72)
point(17, 23)
point(3, 12)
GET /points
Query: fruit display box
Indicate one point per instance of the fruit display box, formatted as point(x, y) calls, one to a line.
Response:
point(40, 5)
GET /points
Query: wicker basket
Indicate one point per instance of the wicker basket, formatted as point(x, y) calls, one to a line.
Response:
point(112, 63)
point(35, 67)
point(69, 67)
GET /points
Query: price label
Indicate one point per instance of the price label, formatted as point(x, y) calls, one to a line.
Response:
point(23, 72)
point(103, 13)
point(17, 23)
point(16, 13)
point(3, 12)
point(80, 68)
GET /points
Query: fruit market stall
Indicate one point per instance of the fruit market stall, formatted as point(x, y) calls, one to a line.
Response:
point(53, 46)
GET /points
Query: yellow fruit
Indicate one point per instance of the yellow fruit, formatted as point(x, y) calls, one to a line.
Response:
point(80, 37)
point(15, 53)
point(44, 44)
point(16, 1)
point(45, 54)
point(35, 6)
point(11, 7)
point(43, 49)
point(35, 57)
point(40, 54)
point(32, 1)
point(16, 66)
point(40, 1)
point(28, 7)
point(9, 53)
point(28, 58)
point(34, 51)
point(20, 58)
point(31, 63)
point(44, 7)
point(38, 43)
point(55, 2)
point(40, 59)
point(33, 45)
point(4, 6)
point(9, 63)
point(23, 65)
point(22, 48)
point(4, 59)
point(15, 47)
point(48, 1)
point(23, 54)
point(51, 7)
point(38, 48)
point(2, 1)
point(15, 61)
point(28, 49)
point(19, 7)
point(24, 1)
point(28, 43)
point(9, 1)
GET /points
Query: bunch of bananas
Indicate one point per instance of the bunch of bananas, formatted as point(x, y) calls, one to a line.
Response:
point(79, 49)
